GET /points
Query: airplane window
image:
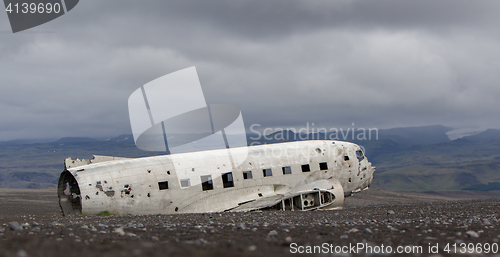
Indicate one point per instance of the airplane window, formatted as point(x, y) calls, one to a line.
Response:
point(359, 155)
point(163, 185)
point(267, 172)
point(287, 170)
point(323, 166)
point(247, 174)
point(206, 183)
point(227, 180)
point(185, 182)
point(306, 168)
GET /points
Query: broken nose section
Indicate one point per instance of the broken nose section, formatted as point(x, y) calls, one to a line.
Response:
point(68, 191)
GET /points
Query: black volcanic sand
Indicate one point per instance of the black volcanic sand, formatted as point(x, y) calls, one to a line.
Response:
point(393, 218)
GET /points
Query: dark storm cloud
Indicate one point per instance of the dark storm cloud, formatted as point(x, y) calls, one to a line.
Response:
point(276, 18)
point(284, 63)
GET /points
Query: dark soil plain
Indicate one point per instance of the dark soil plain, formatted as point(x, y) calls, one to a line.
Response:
point(31, 224)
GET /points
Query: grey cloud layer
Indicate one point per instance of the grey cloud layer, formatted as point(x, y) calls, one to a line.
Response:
point(284, 63)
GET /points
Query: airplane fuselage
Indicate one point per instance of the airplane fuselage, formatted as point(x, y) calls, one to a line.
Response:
point(210, 181)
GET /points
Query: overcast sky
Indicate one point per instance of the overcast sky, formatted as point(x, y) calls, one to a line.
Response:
point(284, 63)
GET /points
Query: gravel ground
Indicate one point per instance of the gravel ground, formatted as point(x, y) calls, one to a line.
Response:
point(32, 225)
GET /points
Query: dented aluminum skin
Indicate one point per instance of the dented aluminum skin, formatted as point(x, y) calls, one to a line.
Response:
point(320, 174)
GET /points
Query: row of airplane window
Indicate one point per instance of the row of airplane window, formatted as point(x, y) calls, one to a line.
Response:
point(227, 178)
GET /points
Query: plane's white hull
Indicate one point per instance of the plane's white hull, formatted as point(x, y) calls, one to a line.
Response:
point(137, 186)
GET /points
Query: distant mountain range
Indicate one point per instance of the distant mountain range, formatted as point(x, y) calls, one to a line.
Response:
point(414, 158)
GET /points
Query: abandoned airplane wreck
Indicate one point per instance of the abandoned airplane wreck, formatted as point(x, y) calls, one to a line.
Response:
point(303, 175)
